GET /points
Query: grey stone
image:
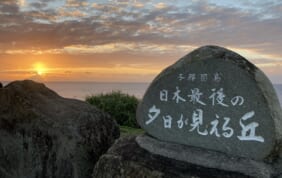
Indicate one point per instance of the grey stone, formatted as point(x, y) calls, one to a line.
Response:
point(127, 159)
point(206, 158)
point(234, 108)
point(45, 135)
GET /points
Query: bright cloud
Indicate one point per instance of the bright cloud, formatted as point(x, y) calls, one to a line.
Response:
point(21, 3)
point(160, 5)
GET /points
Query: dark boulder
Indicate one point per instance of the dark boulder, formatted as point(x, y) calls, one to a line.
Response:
point(127, 159)
point(45, 135)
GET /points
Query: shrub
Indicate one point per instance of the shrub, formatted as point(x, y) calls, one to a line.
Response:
point(120, 106)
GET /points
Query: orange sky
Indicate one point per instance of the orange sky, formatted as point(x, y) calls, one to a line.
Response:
point(130, 41)
point(98, 67)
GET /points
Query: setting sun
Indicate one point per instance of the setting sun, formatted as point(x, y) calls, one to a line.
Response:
point(40, 68)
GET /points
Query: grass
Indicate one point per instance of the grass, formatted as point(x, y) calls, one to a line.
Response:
point(122, 107)
point(126, 131)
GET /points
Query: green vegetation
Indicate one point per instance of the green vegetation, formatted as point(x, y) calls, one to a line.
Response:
point(124, 131)
point(122, 107)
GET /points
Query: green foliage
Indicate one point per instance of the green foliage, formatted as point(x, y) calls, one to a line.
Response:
point(120, 106)
point(125, 131)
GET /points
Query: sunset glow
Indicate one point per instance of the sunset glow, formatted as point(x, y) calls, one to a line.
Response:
point(40, 68)
point(132, 41)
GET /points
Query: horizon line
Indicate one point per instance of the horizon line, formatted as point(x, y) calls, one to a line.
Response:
point(72, 81)
point(91, 81)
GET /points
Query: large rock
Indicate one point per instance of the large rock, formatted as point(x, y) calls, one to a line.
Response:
point(211, 114)
point(45, 135)
point(214, 99)
point(127, 159)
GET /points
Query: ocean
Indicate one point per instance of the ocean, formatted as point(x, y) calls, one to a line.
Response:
point(79, 90)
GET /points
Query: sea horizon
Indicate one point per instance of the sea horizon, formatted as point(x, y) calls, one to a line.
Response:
point(81, 89)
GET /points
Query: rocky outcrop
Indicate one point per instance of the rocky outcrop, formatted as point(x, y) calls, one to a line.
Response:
point(127, 159)
point(45, 135)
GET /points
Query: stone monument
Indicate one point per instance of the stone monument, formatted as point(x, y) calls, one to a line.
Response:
point(211, 114)
point(213, 105)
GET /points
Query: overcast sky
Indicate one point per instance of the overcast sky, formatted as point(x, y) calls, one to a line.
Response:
point(131, 40)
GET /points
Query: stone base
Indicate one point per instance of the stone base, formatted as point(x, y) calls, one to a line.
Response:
point(205, 158)
point(159, 159)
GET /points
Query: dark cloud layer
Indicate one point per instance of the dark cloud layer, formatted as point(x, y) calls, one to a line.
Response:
point(40, 26)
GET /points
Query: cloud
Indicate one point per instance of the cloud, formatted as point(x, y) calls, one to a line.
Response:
point(21, 3)
point(138, 4)
point(83, 49)
point(132, 47)
point(76, 3)
point(9, 7)
point(86, 27)
point(160, 5)
point(75, 13)
point(256, 55)
point(38, 5)
point(33, 52)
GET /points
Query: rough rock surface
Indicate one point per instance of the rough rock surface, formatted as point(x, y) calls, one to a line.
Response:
point(126, 159)
point(45, 135)
point(207, 158)
point(214, 99)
